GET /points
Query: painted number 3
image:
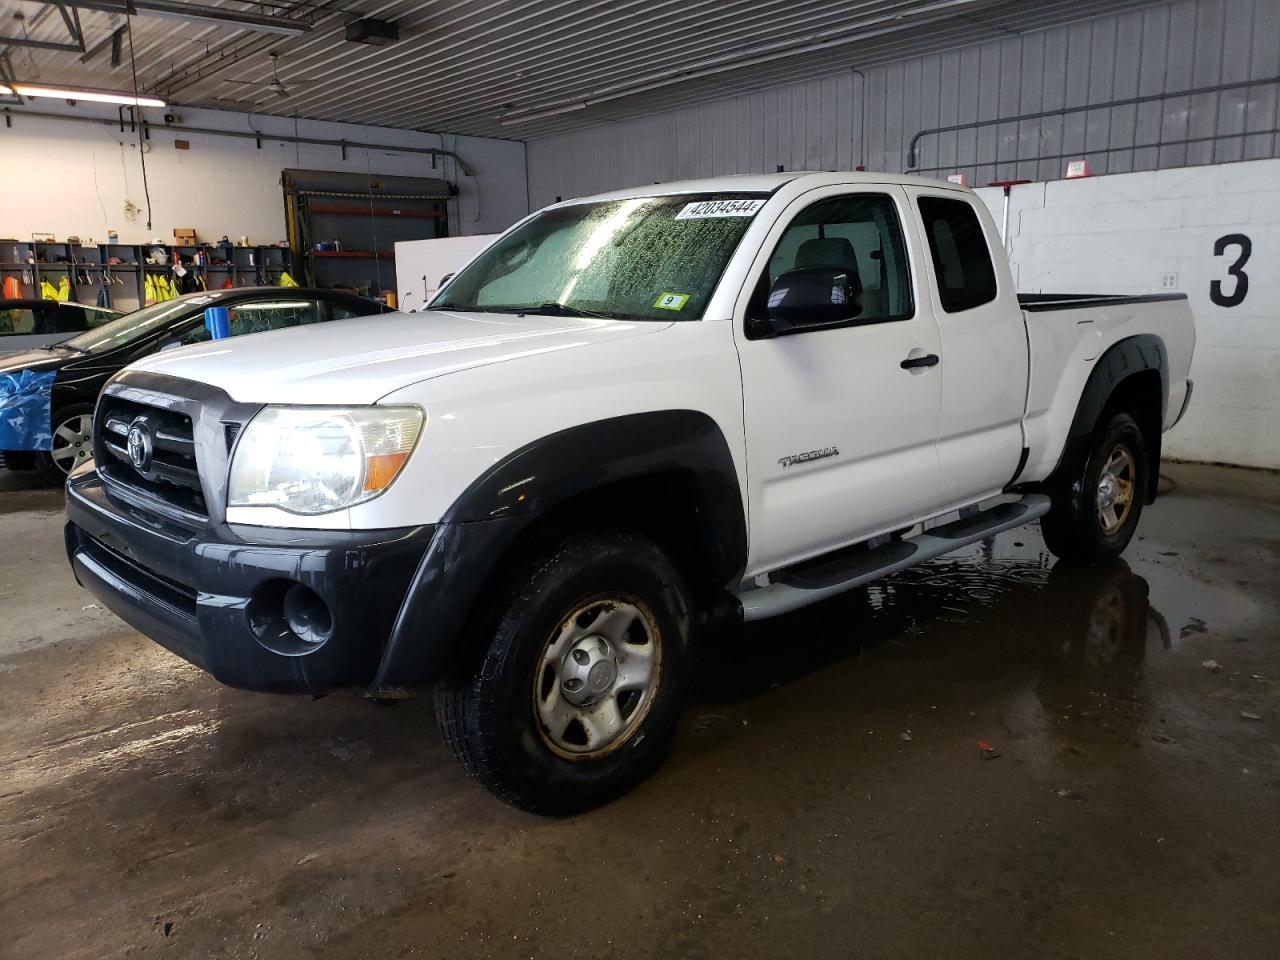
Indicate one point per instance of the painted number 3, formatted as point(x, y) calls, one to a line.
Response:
point(1235, 270)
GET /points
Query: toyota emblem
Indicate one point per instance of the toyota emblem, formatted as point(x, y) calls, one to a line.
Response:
point(139, 445)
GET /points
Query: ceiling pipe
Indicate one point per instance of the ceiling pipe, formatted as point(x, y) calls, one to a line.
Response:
point(343, 145)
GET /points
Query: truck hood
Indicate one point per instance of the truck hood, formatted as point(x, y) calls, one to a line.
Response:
point(364, 358)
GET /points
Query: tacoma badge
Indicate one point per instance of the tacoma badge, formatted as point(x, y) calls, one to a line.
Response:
point(795, 458)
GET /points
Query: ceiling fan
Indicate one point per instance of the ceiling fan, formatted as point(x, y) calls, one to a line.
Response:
point(276, 86)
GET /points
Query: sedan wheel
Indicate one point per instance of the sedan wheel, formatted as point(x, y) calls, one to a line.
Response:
point(72, 442)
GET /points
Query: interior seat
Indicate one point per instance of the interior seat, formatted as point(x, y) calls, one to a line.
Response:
point(838, 252)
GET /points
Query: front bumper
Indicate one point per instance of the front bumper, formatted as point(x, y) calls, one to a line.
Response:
point(215, 595)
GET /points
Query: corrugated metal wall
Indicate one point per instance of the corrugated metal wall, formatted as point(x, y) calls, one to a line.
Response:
point(821, 125)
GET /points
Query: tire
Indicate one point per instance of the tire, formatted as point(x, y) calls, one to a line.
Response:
point(507, 715)
point(72, 443)
point(1078, 527)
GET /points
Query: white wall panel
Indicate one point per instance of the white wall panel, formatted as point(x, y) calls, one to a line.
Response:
point(1135, 233)
point(819, 124)
point(72, 178)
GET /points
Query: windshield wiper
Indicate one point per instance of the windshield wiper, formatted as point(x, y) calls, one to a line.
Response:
point(468, 307)
point(66, 346)
point(560, 310)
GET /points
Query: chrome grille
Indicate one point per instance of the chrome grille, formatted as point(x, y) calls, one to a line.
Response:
point(168, 472)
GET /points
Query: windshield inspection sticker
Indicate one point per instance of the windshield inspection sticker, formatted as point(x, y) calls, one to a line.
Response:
point(719, 208)
point(671, 301)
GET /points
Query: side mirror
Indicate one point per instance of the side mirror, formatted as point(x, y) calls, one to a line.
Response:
point(810, 298)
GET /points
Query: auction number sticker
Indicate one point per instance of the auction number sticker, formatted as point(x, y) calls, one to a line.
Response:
point(705, 209)
point(671, 301)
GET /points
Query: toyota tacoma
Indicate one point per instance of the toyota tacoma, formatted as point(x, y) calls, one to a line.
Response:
point(629, 416)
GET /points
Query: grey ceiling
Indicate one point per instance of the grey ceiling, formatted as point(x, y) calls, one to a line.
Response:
point(542, 66)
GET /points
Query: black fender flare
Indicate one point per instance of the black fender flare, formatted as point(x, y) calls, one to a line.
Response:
point(500, 504)
point(1123, 359)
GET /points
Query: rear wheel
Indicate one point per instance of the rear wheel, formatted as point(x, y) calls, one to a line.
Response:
point(72, 443)
point(1097, 503)
point(577, 694)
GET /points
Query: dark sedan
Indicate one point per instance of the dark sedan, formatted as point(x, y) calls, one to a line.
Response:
point(66, 376)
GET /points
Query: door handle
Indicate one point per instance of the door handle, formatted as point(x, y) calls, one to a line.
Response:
point(911, 363)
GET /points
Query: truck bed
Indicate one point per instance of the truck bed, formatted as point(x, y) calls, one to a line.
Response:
point(1067, 333)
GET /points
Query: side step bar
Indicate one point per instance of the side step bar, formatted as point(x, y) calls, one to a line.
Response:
point(823, 577)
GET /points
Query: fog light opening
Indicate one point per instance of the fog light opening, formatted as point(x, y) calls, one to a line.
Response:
point(307, 615)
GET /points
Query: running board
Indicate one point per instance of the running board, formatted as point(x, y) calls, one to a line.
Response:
point(805, 583)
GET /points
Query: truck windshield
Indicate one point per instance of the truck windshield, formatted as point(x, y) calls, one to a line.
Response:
point(644, 258)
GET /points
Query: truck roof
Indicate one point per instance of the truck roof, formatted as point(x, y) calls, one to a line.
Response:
point(762, 182)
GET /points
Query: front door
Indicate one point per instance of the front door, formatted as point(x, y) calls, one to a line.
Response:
point(841, 438)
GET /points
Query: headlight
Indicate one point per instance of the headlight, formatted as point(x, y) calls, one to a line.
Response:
point(313, 460)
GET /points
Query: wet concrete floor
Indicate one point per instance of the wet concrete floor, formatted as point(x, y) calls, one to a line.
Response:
point(827, 796)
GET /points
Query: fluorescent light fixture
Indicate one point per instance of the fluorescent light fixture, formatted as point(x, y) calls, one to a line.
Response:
point(78, 93)
point(517, 117)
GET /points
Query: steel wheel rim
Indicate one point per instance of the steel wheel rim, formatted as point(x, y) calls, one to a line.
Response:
point(72, 442)
point(1116, 489)
point(597, 677)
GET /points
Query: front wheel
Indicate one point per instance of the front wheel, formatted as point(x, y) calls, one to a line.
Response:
point(72, 443)
point(576, 697)
point(1097, 503)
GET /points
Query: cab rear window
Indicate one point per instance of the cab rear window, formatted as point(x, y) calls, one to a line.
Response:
point(961, 260)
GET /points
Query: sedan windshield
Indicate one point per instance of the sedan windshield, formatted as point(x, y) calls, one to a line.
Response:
point(645, 258)
point(138, 323)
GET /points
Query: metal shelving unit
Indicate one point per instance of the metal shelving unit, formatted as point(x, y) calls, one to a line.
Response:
point(343, 227)
point(89, 270)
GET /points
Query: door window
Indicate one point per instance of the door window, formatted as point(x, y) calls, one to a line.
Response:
point(860, 233)
point(961, 260)
point(342, 311)
point(97, 316)
point(22, 320)
point(64, 319)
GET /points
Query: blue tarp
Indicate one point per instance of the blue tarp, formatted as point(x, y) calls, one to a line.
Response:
point(25, 418)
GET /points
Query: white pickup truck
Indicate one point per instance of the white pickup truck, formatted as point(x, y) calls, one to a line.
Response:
point(629, 415)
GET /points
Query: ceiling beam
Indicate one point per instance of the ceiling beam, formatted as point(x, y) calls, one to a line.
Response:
point(6, 82)
point(223, 16)
point(70, 18)
point(111, 40)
